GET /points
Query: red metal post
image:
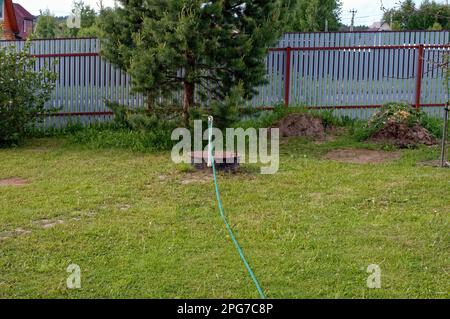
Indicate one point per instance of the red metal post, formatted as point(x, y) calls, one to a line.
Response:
point(420, 50)
point(287, 79)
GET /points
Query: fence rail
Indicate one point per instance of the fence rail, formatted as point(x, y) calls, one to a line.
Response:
point(351, 73)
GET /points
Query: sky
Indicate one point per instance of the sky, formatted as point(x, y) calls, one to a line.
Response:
point(368, 10)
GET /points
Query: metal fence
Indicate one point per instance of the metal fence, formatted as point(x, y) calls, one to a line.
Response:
point(357, 81)
point(353, 73)
point(85, 80)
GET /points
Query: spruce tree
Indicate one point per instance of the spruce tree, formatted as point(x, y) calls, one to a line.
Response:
point(201, 48)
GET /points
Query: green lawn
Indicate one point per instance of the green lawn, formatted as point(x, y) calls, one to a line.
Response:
point(140, 226)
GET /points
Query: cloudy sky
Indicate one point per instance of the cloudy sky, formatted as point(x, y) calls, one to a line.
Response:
point(368, 10)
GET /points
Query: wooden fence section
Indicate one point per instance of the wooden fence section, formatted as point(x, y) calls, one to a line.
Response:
point(352, 73)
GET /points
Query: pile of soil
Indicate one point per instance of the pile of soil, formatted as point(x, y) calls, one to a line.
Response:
point(404, 136)
point(301, 125)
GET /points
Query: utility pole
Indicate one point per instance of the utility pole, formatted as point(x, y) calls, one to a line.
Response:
point(353, 12)
point(326, 25)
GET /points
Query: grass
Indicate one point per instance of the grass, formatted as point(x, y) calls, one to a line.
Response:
point(140, 226)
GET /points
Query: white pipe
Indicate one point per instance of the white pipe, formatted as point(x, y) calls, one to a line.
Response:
point(210, 126)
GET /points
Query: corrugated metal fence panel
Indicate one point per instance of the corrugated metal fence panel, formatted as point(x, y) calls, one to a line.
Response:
point(85, 80)
point(358, 77)
point(366, 38)
point(352, 80)
point(355, 81)
point(434, 88)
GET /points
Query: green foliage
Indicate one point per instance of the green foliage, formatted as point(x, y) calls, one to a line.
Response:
point(49, 26)
point(266, 119)
point(88, 32)
point(221, 42)
point(430, 15)
point(400, 113)
point(436, 27)
point(137, 129)
point(311, 15)
point(120, 114)
point(46, 26)
point(23, 93)
point(330, 119)
point(226, 113)
point(139, 119)
point(361, 131)
point(434, 125)
point(396, 112)
point(88, 20)
point(151, 139)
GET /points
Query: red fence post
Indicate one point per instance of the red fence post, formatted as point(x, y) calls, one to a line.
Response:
point(419, 75)
point(287, 77)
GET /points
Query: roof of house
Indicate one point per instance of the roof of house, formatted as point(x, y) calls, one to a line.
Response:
point(13, 19)
point(22, 15)
point(21, 12)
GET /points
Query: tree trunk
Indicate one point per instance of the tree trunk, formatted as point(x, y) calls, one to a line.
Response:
point(149, 103)
point(189, 89)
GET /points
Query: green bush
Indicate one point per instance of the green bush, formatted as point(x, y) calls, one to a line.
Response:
point(433, 124)
point(226, 112)
point(400, 113)
point(120, 114)
point(395, 112)
point(23, 93)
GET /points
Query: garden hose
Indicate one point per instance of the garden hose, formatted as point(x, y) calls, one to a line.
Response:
point(222, 213)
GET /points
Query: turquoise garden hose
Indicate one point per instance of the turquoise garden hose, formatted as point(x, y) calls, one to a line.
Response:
point(222, 213)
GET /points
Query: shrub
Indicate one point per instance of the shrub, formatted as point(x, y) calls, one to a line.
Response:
point(395, 112)
point(433, 124)
point(23, 93)
point(226, 112)
point(136, 129)
point(120, 113)
point(399, 113)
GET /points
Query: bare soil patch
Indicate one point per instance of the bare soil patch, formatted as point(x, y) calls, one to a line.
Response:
point(14, 233)
point(404, 136)
point(435, 163)
point(302, 125)
point(13, 181)
point(197, 177)
point(48, 223)
point(362, 156)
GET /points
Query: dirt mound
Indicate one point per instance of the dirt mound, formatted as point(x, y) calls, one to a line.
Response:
point(402, 135)
point(362, 156)
point(301, 125)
